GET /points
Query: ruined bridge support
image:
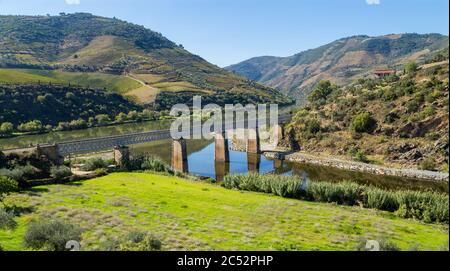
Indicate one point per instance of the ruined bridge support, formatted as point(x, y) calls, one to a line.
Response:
point(50, 152)
point(222, 152)
point(278, 132)
point(253, 142)
point(179, 155)
point(121, 155)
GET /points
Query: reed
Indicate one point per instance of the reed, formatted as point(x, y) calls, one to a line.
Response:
point(422, 205)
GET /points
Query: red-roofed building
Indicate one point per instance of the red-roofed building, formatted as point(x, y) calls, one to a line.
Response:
point(386, 72)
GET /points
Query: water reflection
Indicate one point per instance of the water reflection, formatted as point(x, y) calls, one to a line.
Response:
point(24, 141)
point(201, 162)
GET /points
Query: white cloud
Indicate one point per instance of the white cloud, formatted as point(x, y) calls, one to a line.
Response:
point(72, 2)
point(373, 2)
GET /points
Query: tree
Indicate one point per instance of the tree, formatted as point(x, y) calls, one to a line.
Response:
point(321, 92)
point(70, 95)
point(411, 67)
point(78, 124)
point(3, 160)
point(102, 119)
point(31, 126)
point(121, 117)
point(363, 123)
point(6, 128)
point(133, 115)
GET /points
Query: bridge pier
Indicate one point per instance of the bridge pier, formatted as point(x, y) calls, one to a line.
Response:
point(222, 169)
point(222, 152)
point(277, 134)
point(253, 142)
point(179, 155)
point(253, 162)
point(277, 164)
point(50, 152)
point(121, 155)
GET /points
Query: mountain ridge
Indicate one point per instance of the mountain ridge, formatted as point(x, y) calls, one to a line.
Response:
point(339, 61)
point(82, 42)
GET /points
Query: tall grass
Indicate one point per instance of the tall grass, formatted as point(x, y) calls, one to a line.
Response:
point(426, 206)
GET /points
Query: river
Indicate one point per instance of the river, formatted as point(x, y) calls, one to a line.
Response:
point(201, 158)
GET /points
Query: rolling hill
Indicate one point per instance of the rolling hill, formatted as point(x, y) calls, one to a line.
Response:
point(129, 59)
point(341, 61)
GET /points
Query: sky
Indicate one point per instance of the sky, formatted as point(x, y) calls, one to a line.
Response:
point(226, 32)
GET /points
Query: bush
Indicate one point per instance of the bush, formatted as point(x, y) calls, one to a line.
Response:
point(60, 172)
point(428, 164)
point(95, 163)
point(154, 164)
point(19, 173)
point(140, 241)
point(51, 235)
point(134, 241)
point(384, 244)
point(364, 123)
point(7, 220)
point(360, 156)
point(411, 67)
point(426, 206)
point(7, 185)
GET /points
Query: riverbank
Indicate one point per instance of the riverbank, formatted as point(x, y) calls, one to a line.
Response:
point(300, 157)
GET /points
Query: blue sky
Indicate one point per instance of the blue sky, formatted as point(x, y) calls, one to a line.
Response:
point(228, 31)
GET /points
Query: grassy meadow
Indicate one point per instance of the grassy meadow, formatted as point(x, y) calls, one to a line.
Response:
point(188, 215)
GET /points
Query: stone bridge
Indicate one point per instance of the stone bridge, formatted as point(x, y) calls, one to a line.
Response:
point(179, 150)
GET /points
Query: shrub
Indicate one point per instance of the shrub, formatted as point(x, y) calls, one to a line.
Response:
point(60, 172)
point(428, 164)
point(360, 156)
point(154, 164)
point(95, 163)
point(385, 245)
point(51, 235)
point(364, 123)
point(133, 241)
point(411, 67)
point(101, 171)
point(7, 185)
point(7, 220)
point(140, 241)
point(19, 173)
point(426, 206)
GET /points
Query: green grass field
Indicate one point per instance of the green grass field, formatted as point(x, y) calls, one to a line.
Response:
point(189, 215)
point(115, 83)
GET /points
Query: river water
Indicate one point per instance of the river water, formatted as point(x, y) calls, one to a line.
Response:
point(201, 158)
point(201, 162)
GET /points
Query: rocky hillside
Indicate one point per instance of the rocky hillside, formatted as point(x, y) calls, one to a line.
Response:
point(398, 120)
point(339, 62)
point(83, 42)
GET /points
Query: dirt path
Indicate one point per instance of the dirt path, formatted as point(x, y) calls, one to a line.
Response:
point(145, 94)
